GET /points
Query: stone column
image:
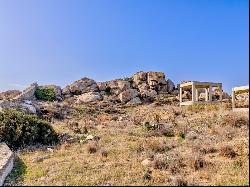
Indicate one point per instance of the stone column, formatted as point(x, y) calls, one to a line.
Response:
point(180, 95)
point(206, 94)
point(210, 95)
point(220, 93)
point(196, 95)
point(193, 92)
point(233, 99)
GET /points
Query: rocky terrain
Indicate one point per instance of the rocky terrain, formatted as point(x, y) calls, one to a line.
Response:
point(130, 131)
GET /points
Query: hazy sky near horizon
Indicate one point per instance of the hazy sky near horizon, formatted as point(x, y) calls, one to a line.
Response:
point(60, 41)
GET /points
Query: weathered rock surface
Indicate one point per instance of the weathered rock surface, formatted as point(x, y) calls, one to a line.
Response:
point(81, 86)
point(88, 97)
point(170, 86)
point(28, 93)
point(116, 86)
point(135, 101)
point(150, 81)
point(6, 162)
point(128, 95)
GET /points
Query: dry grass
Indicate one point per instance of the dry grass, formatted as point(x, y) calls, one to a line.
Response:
point(188, 148)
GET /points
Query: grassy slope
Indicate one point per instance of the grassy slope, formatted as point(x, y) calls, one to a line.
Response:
point(128, 144)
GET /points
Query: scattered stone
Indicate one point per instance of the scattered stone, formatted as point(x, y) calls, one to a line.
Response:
point(73, 140)
point(91, 137)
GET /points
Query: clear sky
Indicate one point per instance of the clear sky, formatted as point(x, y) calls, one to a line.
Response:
point(60, 41)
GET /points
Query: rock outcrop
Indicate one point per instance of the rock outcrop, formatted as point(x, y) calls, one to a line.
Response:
point(79, 87)
point(128, 95)
point(27, 94)
point(10, 94)
point(88, 97)
point(150, 81)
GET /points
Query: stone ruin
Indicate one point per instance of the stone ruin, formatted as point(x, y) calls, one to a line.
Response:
point(240, 98)
point(194, 87)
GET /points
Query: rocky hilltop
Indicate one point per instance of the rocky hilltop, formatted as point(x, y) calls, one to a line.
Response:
point(95, 133)
point(142, 87)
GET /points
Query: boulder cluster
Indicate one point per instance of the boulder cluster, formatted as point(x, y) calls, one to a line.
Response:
point(140, 88)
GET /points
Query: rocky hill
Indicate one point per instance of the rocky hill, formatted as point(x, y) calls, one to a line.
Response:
point(127, 131)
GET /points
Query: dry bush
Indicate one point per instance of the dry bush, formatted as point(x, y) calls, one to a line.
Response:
point(196, 162)
point(160, 161)
point(207, 150)
point(176, 165)
point(235, 120)
point(137, 120)
point(160, 130)
point(147, 175)
point(179, 181)
point(192, 135)
point(167, 130)
point(104, 152)
point(91, 147)
point(228, 151)
point(156, 145)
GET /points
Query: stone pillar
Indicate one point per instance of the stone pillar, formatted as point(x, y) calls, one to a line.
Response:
point(193, 93)
point(196, 95)
point(180, 94)
point(220, 93)
point(210, 95)
point(206, 94)
point(233, 99)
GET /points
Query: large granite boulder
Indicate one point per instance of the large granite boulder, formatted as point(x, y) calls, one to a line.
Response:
point(140, 77)
point(145, 81)
point(81, 86)
point(128, 95)
point(88, 97)
point(170, 86)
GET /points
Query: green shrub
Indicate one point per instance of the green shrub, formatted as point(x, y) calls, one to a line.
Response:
point(18, 130)
point(108, 91)
point(45, 94)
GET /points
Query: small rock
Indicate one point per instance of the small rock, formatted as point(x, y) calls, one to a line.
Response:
point(40, 159)
point(73, 140)
point(146, 162)
point(91, 137)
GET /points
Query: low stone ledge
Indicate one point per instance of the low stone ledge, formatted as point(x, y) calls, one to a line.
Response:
point(6, 162)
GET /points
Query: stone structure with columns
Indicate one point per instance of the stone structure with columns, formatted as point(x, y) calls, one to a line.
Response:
point(194, 86)
point(239, 90)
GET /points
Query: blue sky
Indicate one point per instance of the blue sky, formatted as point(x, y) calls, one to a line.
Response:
point(60, 41)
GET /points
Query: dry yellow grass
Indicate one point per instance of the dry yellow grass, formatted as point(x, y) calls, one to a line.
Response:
point(127, 143)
